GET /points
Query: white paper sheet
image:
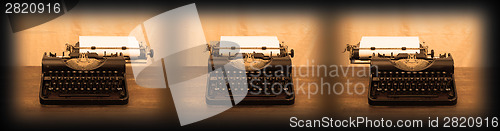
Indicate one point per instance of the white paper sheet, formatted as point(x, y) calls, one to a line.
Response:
point(110, 41)
point(388, 42)
point(249, 41)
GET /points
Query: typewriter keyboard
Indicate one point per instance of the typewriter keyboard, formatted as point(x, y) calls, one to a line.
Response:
point(250, 83)
point(412, 84)
point(83, 84)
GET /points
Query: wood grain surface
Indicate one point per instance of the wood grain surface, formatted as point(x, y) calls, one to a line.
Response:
point(154, 107)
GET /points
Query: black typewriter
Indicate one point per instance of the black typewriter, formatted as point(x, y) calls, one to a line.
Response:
point(419, 78)
point(83, 78)
point(249, 78)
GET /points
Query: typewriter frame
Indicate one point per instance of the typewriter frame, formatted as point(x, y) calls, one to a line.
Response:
point(113, 61)
point(443, 62)
point(217, 61)
point(440, 63)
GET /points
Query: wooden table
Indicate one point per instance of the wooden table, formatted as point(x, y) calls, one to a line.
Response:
point(154, 107)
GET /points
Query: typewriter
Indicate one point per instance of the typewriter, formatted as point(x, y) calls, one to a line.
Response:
point(249, 70)
point(93, 71)
point(403, 72)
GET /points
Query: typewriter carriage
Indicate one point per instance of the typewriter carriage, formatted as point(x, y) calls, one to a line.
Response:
point(255, 61)
point(145, 51)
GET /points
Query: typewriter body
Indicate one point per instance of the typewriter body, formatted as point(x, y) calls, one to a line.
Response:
point(83, 78)
point(249, 73)
point(93, 71)
point(403, 72)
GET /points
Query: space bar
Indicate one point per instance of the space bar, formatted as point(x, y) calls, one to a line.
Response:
point(412, 96)
point(83, 95)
